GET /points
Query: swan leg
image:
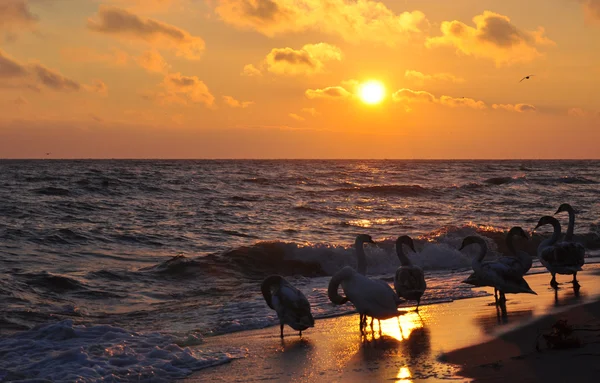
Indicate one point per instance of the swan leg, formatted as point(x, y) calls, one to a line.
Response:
point(418, 303)
point(301, 334)
point(575, 282)
point(503, 304)
point(496, 295)
point(553, 282)
point(281, 331)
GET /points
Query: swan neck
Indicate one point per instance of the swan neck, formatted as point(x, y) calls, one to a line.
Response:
point(361, 258)
point(571, 226)
point(555, 235)
point(482, 250)
point(334, 284)
point(402, 256)
point(510, 244)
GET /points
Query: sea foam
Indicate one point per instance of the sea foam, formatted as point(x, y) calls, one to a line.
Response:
point(64, 352)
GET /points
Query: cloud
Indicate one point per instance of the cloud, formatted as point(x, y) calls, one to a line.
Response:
point(146, 5)
point(415, 75)
point(14, 74)
point(312, 111)
point(332, 92)
point(182, 90)
point(580, 112)
point(520, 108)
point(10, 68)
point(15, 15)
point(116, 57)
point(97, 86)
point(408, 96)
point(236, 103)
point(153, 62)
point(310, 59)
point(493, 37)
point(251, 71)
point(592, 9)
point(296, 117)
point(119, 22)
point(20, 101)
point(54, 80)
point(354, 21)
point(460, 102)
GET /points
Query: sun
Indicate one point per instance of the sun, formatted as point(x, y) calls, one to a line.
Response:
point(371, 92)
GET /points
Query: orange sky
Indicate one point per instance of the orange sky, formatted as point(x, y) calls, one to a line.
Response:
point(279, 78)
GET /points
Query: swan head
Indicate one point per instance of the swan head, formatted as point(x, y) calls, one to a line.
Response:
point(565, 207)
point(405, 240)
point(364, 238)
point(517, 230)
point(470, 240)
point(547, 220)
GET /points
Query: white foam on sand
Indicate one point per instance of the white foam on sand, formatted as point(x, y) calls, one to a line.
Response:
point(64, 352)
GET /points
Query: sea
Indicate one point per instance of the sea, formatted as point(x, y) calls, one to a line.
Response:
point(118, 270)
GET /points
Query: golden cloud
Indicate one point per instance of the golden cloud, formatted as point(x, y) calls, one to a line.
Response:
point(97, 86)
point(309, 60)
point(354, 21)
point(493, 37)
point(520, 108)
point(296, 117)
point(312, 111)
point(236, 103)
point(408, 95)
point(418, 76)
point(332, 92)
point(592, 9)
point(14, 74)
point(15, 15)
point(120, 22)
point(152, 61)
point(182, 90)
point(251, 71)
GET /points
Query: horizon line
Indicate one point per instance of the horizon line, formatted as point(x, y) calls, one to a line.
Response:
point(283, 159)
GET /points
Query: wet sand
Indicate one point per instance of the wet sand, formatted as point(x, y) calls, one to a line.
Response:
point(487, 346)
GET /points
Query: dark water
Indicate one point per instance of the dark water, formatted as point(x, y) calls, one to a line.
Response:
point(179, 247)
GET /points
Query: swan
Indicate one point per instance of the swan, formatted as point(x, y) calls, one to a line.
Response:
point(564, 258)
point(495, 274)
point(289, 303)
point(569, 209)
point(409, 280)
point(371, 297)
point(520, 262)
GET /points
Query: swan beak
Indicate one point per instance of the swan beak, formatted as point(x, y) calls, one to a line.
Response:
point(462, 246)
point(535, 228)
point(413, 248)
point(373, 242)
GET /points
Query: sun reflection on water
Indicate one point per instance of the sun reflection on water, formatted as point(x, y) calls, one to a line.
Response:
point(408, 323)
point(404, 375)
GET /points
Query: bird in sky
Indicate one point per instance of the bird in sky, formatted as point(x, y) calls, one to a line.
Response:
point(527, 77)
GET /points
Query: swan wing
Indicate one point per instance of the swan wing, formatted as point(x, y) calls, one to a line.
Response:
point(564, 255)
point(410, 282)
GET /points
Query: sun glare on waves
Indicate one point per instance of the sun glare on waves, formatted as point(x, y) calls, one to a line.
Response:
point(371, 92)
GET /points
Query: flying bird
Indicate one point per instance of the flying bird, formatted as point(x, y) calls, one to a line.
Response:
point(527, 77)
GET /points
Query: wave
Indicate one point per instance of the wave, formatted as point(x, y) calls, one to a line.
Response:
point(504, 180)
point(64, 352)
point(54, 191)
point(400, 190)
point(437, 250)
point(56, 283)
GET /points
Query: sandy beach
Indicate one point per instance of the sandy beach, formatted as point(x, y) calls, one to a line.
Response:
point(465, 340)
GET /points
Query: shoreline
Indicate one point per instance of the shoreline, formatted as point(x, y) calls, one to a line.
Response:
point(334, 351)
